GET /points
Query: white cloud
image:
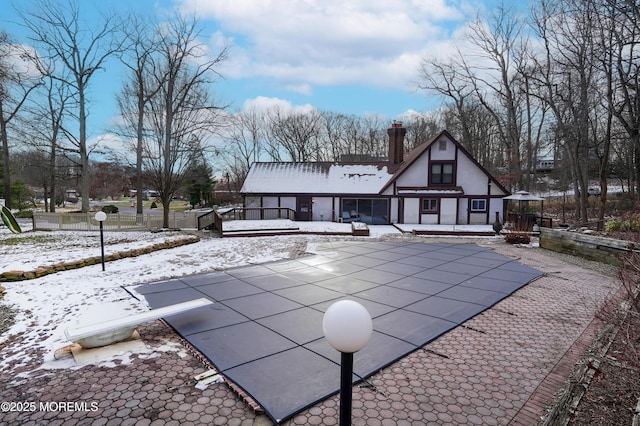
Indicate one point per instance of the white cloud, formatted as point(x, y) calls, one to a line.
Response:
point(20, 60)
point(301, 43)
point(108, 145)
point(302, 88)
point(264, 104)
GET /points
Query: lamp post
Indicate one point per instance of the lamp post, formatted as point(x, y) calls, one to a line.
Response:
point(348, 327)
point(101, 217)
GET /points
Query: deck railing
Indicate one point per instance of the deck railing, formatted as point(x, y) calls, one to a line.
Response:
point(257, 213)
point(208, 219)
point(216, 218)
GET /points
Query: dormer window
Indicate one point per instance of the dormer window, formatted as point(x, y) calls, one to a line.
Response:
point(441, 174)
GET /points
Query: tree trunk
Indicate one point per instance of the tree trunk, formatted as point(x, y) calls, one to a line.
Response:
point(6, 170)
point(52, 177)
point(166, 204)
point(140, 129)
point(84, 155)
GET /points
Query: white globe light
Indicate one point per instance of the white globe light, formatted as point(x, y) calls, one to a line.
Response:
point(347, 326)
point(101, 216)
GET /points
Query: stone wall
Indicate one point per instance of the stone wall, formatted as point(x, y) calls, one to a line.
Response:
point(9, 276)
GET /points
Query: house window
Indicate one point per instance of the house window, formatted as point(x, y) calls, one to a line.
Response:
point(442, 145)
point(441, 174)
point(430, 205)
point(479, 205)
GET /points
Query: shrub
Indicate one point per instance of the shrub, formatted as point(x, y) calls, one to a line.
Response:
point(625, 223)
point(621, 311)
point(517, 238)
point(110, 209)
point(613, 225)
point(518, 235)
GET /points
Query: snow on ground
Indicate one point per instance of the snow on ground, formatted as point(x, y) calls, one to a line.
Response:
point(50, 248)
point(48, 305)
point(334, 227)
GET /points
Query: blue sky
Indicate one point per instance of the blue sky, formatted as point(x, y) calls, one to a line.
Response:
point(350, 56)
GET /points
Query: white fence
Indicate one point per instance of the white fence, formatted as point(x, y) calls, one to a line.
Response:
point(114, 222)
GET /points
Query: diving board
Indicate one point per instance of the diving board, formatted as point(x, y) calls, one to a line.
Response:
point(113, 330)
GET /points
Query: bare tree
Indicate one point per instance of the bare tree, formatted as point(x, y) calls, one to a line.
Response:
point(143, 47)
point(621, 40)
point(334, 127)
point(79, 51)
point(567, 78)
point(609, 53)
point(17, 81)
point(374, 136)
point(463, 114)
point(43, 125)
point(244, 142)
point(420, 128)
point(34, 169)
point(293, 136)
point(496, 78)
point(445, 79)
point(353, 138)
point(491, 78)
point(182, 115)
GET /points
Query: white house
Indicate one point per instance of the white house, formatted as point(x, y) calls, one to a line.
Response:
point(438, 183)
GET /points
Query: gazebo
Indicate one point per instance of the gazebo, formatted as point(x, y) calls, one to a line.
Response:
point(523, 218)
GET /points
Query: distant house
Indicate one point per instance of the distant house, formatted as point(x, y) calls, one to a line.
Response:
point(438, 183)
point(545, 164)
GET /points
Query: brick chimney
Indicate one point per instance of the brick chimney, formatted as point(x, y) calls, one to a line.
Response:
point(396, 142)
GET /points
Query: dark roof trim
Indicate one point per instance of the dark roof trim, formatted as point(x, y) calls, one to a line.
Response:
point(419, 150)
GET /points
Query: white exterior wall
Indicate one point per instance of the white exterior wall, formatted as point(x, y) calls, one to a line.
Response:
point(463, 209)
point(428, 219)
point(478, 219)
point(336, 209)
point(417, 174)
point(470, 177)
point(495, 205)
point(322, 208)
point(497, 191)
point(388, 191)
point(448, 212)
point(448, 154)
point(411, 210)
point(393, 210)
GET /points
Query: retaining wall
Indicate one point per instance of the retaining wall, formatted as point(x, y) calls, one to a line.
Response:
point(592, 247)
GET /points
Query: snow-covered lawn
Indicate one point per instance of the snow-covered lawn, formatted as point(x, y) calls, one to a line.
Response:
point(46, 306)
